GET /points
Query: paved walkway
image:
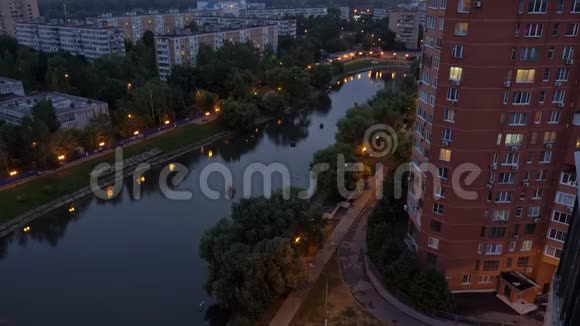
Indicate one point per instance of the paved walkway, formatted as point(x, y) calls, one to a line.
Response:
point(292, 304)
point(353, 271)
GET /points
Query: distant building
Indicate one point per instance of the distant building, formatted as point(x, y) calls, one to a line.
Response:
point(292, 12)
point(16, 11)
point(564, 299)
point(71, 111)
point(380, 13)
point(256, 5)
point(11, 87)
point(224, 6)
point(405, 24)
point(174, 50)
point(89, 41)
point(286, 27)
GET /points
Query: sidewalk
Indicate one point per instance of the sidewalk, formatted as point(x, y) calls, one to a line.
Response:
point(368, 289)
point(294, 301)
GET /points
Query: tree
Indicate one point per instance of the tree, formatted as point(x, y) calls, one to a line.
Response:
point(182, 78)
point(320, 76)
point(274, 102)
point(352, 127)
point(205, 101)
point(239, 115)
point(154, 102)
point(44, 111)
point(293, 81)
point(328, 180)
point(238, 83)
point(429, 292)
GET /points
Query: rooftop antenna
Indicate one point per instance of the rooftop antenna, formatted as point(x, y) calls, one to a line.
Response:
point(64, 10)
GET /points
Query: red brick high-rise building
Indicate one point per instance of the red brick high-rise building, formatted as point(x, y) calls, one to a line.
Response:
point(499, 89)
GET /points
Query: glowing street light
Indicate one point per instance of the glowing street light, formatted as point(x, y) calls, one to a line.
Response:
point(167, 122)
point(136, 132)
point(101, 144)
point(71, 210)
point(297, 239)
point(26, 229)
point(130, 116)
point(210, 154)
point(61, 157)
point(66, 76)
point(13, 173)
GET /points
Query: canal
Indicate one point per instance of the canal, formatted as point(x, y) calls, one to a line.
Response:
point(127, 261)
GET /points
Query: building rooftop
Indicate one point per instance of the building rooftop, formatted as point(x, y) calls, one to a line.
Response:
point(4, 80)
point(220, 30)
point(62, 103)
point(86, 26)
point(517, 280)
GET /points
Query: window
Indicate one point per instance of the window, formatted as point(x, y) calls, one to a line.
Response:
point(506, 178)
point(438, 208)
point(436, 62)
point(542, 175)
point(441, 23)
point(493, 249)
point(555, 29)
point(425, 78)
point(433, 4)
point(433, 243)
point(551, 53)
point(517, 30)
point(542, 97)
point(431, 258)
point(519, 211)
point(461, 29)
point(545, 157)
point(546, 74)
point(503, 197)
point(530, 228)
point(522, 261)
point(525, 75)
point(562, 74)
point(514, 139)
point(455, 73)
point(440, 192)
point(496, 232)
point(553, 252)
point(534, 30)
point(530, 161)
point(443, 4)
point(486, 279)
point(508, 262)
point(453, 94)
point(537, 6)
point(529, 54)
point(449, 115)
point(445, 155)
point(534, 211)
point(447, 135)
point(557, 235)
point(560, 6)
point(490, 265)
point(511, 159)
point(527, 245)
point(538, 118)
point(538, 194)
point(435, 226)
point(572, 30)
point(457, 51)
point(466, 279)
point(521, 98)
point(554, 117)
point(549, 137)
point(443, 173)
point(430, 22)
point(568, 179)
point(559, 95)
point(565, 199)
point(575, 6)
point(568, 53)
point(518, 119)
point(463, 6)
point(500, 215)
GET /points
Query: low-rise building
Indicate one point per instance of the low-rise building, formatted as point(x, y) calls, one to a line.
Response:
point(89, 41)
point(286, 27)
point(175, 50)
point(71, 111)
point(11, 87)
point(292, 12)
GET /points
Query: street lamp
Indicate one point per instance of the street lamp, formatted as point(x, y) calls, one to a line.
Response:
point(325, 300)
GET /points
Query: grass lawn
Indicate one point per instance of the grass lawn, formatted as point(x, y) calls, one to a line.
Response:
point(342, 308)
point(20, 199)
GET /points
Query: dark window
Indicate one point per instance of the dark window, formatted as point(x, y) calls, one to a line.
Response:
point(477, 265)
point(508, 262)
point(516, 229)
point(482, 231)
point(530, 228)
point(522, 261)
point(496, 232)
point(431, 258)
point(435, 226)
point(490, 265)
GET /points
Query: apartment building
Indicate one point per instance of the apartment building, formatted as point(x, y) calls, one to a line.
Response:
point(291, 12)
point(71, 111)
point(15, 11)
point(174, 21)
point(11, 87)
point(405, 25)
point(174, 50)
point(88, 41)
point(564, 298)
point(497, 96)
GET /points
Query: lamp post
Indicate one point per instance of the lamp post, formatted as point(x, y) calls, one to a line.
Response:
point(325, 300)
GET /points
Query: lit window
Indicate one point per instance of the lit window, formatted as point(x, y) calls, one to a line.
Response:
point(527, 245)
point(514, 139)
point(461, 29)
point(463, 6)
point(445, 154)
point(455, 73)
point(433, 243)
point(525, 75)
